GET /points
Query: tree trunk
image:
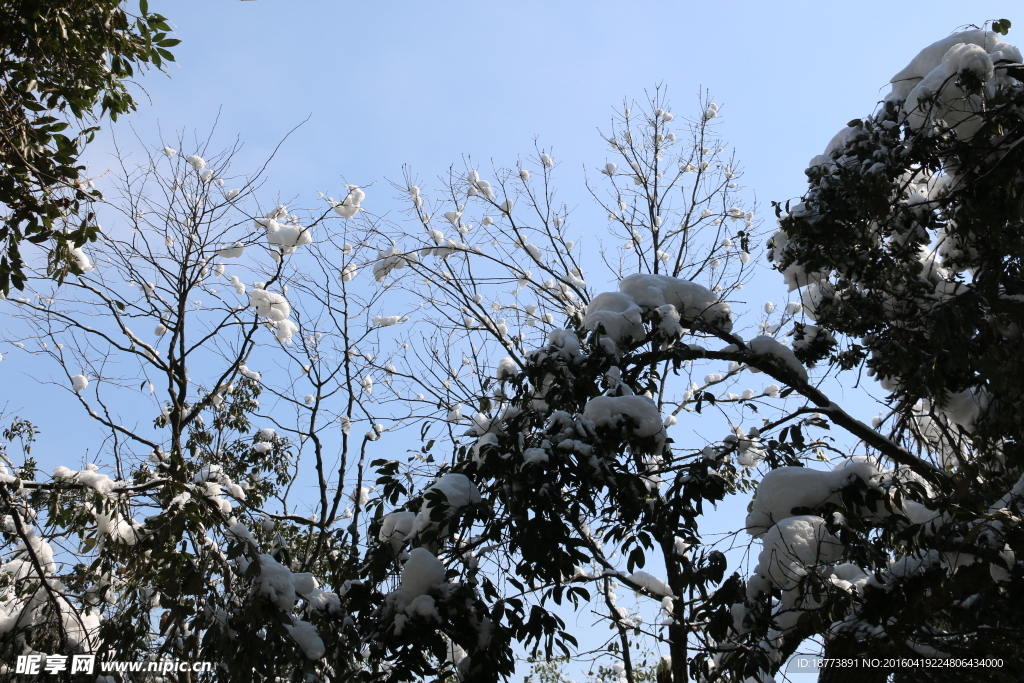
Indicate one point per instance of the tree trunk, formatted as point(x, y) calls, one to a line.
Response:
point(678, 650)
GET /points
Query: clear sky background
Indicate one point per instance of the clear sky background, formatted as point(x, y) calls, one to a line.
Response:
point(425, 83)
point(386, 84)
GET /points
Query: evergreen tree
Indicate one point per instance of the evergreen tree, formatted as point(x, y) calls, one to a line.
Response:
point(62, 63)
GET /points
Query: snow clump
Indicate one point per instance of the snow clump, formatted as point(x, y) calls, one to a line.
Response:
point(81, 260)
point(307, 638)
point(270, 305)
point(612, 411)
point(507, 368)
point(769, 346)
point(786, 488)
point(349, 206)
point(618, 314)
point(287, 236)
point(790, 548)
point(395, 527)
point(691, 300)
point(422, 571)
point(929, 88)
point(651, 583)
point(458, 491)
point(276, 309)
point(233, 251)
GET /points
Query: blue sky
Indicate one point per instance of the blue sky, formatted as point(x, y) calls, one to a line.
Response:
point(386, 84)
point(425, 84)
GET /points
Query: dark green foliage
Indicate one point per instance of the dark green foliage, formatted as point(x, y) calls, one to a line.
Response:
point(943, 329)
point(63, 63)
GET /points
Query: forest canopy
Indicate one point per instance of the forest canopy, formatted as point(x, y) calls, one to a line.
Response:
point(373, 441)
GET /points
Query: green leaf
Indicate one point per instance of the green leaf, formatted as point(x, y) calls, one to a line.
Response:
point(636, 559)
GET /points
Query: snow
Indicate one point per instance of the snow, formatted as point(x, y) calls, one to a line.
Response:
point(619, 314)
point(82, 628)
point(305, 583)
point(532, 456)
point(270, 305)
point(326, 601)
point(287, 236)
point(90, 477)
point(350, 206)
point(233, 251)
point(360, 497)
point(932, 57)
point(611, 411)
point(267, 524)
point(791, 547)
point(458, 490)
point(305, 634)
point(488, 439)
point(1001, 574)
point(198, 163)
point(390, 259)
point(120, 530)
point(691, 300)
point(507, 368)
point(564, 343)
point(276, 582)
point(908, 566)
point(965, 407)
point(349, 272)
point(928, 88)
point(652, 584)
point(389, 320)
point(934, 425)
point(284, 330)
point(848, 577)
point(79, 383)
point(786, 488)
point(768, 346)
point(248, 374)
point(748, 448)
point(421, 572)
point(395, 527)
point(81, 260)
point(274, 307)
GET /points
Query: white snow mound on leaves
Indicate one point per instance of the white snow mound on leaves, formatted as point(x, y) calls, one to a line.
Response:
point(422, 571)
point(786, 488)
point(610, 411)
point(459, 492)
point(690, 299)
point(618, 313)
